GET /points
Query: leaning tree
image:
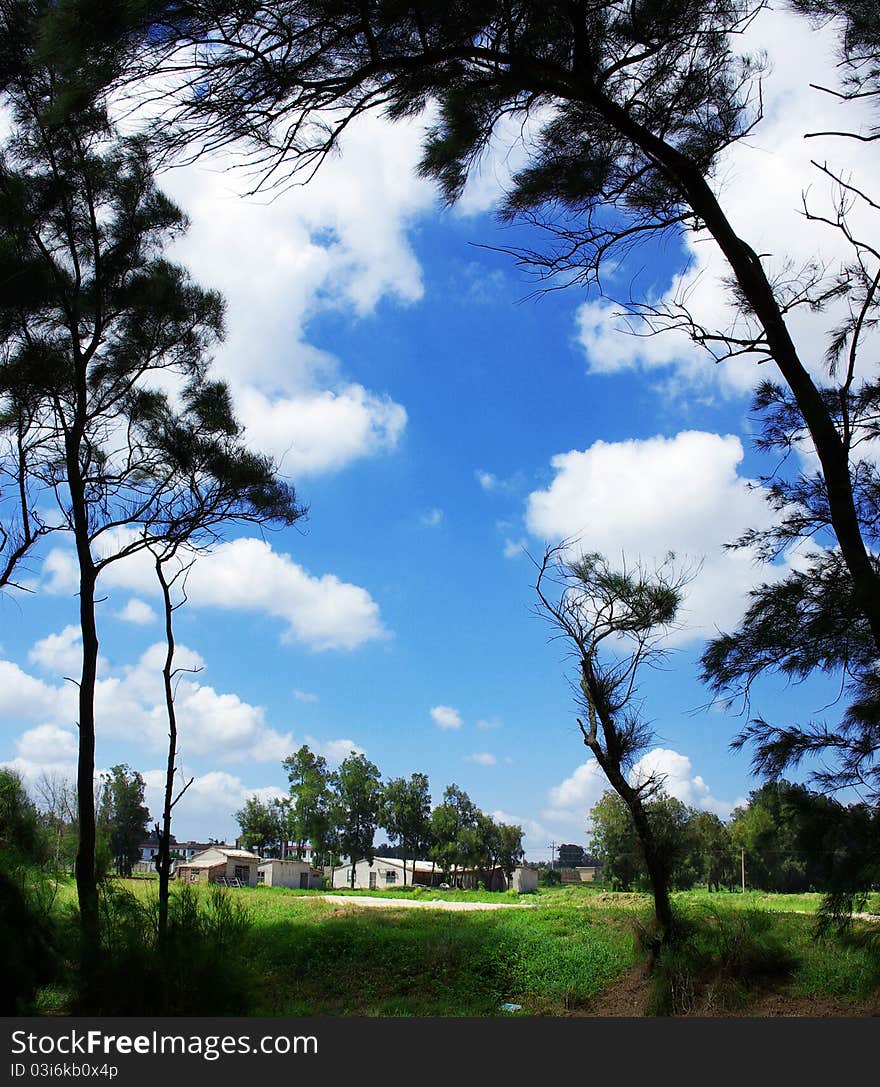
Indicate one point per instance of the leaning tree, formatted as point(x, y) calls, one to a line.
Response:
point(612, 623)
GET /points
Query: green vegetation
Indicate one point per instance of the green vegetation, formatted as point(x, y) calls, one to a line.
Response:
point(272, 951)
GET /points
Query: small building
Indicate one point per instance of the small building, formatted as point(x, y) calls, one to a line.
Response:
point(524, 879)
point(289, 873)
point(220, 864)
point(588, 873)
point(387, 872)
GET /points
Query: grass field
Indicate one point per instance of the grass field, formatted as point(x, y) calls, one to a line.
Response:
point(305, 956)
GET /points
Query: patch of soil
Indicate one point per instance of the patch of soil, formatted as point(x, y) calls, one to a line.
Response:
point(779, 1004)
point(627, 997)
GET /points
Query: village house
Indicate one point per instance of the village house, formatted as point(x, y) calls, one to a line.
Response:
point(221, 864)
point(289, 873)
point(387, 872)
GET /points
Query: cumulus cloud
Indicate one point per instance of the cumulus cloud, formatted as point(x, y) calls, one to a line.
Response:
point(482, 758)
point(432, 518)
point(322, 612)
point(207, 808)
point(486, 480)
point(569, 802)
point(446, 717)
point(340, 244)
point(535, 835)
point(45, 749)
point(679, 780)
point(643, 499)
point(58, 653)
point(335, 751)
point(775, 161)
point(321, 430)
point(129, 704)
point(138, 612)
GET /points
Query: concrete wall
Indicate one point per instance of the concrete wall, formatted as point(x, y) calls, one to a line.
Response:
point(525, 880)
point(278, 873)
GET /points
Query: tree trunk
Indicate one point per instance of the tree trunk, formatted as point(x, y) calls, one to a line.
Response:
point(756, 288)
point(86, 876)
point(163, 863)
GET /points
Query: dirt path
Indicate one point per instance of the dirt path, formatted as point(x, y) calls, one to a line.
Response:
point(432, 904)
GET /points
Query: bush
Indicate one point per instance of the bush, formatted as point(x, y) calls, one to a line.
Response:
point(201, 968)
point(713, 962)
point(550, 878)
point(29, 943)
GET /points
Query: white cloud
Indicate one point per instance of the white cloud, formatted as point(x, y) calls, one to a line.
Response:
point(679, 780)
point(130, 704)
point(304, 696)
point(335, 751)
point(570, 801)
point(337, 244)
point(207, 808)
point(514, 549)
point(59, 653)
point(45, 749)
point(774, 162)
point(488, 723)
point(432, 518)
point(322, 612)
point(138, 612)
point(446, 717)
point(322, 430)
point(22, 697)
point(536, 836)
point(642, 499)
point(482, 758)
point(486, 480)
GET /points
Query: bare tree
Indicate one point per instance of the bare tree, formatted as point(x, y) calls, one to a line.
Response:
point(169, 674)
point(613, 623)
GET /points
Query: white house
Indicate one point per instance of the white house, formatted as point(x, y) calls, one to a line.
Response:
point(220, 863)
point(289, 873)
point(387, 872)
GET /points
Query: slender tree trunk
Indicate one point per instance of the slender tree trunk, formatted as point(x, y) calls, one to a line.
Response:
point(654, 860)
point(163, 864)
point(86, 875)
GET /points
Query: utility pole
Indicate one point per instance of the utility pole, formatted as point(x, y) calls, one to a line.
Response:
point(553, 854)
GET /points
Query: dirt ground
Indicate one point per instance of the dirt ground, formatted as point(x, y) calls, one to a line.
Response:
point(628, 998)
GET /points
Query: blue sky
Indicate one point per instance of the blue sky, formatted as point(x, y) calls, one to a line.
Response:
point(439, 423)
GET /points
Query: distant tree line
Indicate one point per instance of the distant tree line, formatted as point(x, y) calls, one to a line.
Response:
point(786, 838)
point(43, 829)
point(339, 812)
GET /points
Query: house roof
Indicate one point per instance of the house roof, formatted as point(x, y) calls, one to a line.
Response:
point(225, 851)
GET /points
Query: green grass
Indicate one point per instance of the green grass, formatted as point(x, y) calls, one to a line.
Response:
point(312, 957)
point(321, 959)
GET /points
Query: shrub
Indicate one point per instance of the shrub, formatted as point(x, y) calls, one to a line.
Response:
point(201, 967)
point(29, 943)
point(714, 962)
